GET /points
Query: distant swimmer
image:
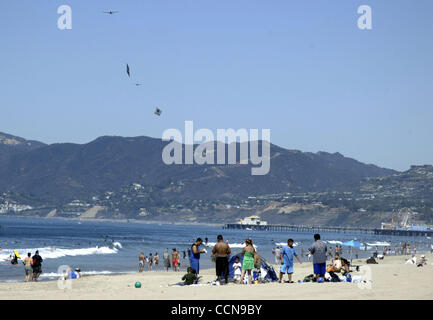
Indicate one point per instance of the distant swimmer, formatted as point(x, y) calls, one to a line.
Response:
point(111, 12)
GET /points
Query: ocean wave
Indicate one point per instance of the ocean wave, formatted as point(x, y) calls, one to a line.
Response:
point(55, 253)
point(232, 245)
point(379, 244)
point(84, 273)
point(281, 244)
point(117, 244)
point(333, 242)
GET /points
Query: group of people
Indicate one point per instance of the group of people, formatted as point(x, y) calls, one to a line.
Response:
point(220, 255)
point(422, 262)
point(147, 260)
point(32, 265)
point(251, 259)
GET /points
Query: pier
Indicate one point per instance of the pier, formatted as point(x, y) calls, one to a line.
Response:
point(319, 229)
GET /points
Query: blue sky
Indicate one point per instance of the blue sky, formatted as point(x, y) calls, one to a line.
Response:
point(300, 68)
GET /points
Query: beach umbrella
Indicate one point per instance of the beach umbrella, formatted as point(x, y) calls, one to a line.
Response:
point(351, 243)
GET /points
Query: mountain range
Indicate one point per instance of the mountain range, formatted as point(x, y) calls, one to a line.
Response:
point(61, 172)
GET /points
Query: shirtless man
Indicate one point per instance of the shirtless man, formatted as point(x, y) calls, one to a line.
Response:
point(175, 257)
point(28, 262)
point(221, 251)
point(141, 262)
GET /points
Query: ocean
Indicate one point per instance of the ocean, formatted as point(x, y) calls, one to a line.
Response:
point(104, 247)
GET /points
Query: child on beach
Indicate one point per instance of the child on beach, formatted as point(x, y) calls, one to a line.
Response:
point(188, 279)
point(237, 267)
point(287, 254)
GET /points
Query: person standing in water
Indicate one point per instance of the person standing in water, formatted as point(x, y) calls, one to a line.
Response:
point(221, 251)
point(156, 259)
point(37, 265)
point(141, 262)
point(175, 256)
point(194, 258)
point(150, 262)
point(166, 258)
point(28, 262)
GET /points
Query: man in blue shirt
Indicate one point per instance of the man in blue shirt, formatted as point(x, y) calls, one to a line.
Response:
point(286, 255)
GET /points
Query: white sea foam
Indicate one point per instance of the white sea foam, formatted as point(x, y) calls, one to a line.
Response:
point(117, 244)
point(232, 245)
point(84, 273)
point(379, 244)
point(55, 253)
point(334, 242)
point(280, 244)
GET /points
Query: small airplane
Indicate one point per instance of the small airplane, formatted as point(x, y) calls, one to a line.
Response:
point(158, 112)
point(111, 12)
point(138, 84)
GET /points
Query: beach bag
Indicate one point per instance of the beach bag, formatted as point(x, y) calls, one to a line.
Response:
point(334, 277)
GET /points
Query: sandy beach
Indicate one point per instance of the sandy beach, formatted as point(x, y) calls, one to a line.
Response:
point(391, 279)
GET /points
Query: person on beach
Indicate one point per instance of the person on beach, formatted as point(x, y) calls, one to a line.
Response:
point(318, 250)
point(286, 256)
point(194, 258)
point(184, 254)
point(141, 262)
point(175, 256)
point(28, 262)
point(248, 262)
point(237, 268)
point(422, 262)
point(37, 265)
point(166, 258)
point(150, 262)
point(330, 254)
point(337, 265)
point(78, 272)
point(188, 279)
point(221, 252)
point(156, 259)
point(277, 253)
